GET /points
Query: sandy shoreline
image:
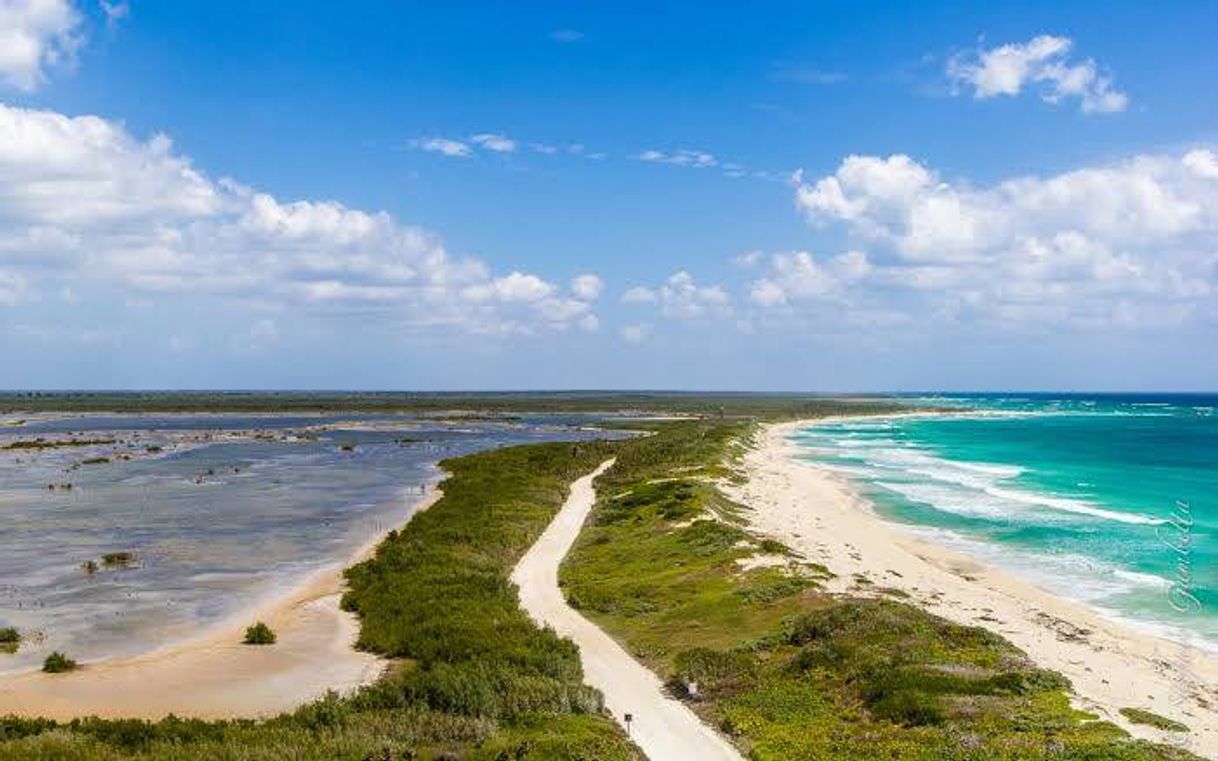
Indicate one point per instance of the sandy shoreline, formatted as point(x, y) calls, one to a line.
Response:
point(215, 676)
point(1111, 666)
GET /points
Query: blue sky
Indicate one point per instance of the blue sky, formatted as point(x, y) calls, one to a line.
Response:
point(836, 196)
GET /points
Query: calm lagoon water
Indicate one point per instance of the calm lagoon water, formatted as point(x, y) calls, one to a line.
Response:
point(1075, 493)
point(229, 510)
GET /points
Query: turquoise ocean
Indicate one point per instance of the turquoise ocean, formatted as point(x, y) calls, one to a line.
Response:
point(1111, 500)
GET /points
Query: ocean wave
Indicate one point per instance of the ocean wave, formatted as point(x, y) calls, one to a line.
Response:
point(1069, 505)
point(952, 500)
point(979, 490)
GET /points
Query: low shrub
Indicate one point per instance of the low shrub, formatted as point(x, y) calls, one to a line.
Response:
point(259, 634)
point(58, 663)
point(1141, 716)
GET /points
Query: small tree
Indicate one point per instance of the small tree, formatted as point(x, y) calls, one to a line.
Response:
point(57, 663)
point(9, 636)
point(259, 634)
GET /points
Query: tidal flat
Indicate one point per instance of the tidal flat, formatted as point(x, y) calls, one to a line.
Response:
point(127, 533)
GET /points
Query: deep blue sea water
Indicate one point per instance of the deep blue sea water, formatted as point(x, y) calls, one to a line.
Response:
point(1107, 499)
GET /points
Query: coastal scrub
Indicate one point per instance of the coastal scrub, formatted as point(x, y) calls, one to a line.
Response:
point(58, 663)
point(259, 634)
point(785, 669)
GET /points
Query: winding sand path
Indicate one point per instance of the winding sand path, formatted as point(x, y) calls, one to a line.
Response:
point(661, 726)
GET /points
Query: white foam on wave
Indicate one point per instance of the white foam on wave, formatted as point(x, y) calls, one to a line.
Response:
point(952, 500)
point(1069, 505)
point(1070, 575)
point(978, 486)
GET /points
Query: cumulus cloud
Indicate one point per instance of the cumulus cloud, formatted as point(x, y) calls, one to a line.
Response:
point(681, 297)
point(1042, 62)
point(34, 36)
point(796, 275)
point(83, 199)
point(1092, 244)
point(586, 287)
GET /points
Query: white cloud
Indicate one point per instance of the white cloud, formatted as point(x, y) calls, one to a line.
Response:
point(681, 297)
point(1090, 245)
point(748, 259)
point(494, 142)
point(639, 295)
point(587, 287)
point(1042, 61)
point(14, 289)
point(1203, 163)
point(34, 36)
point(83, 200)
point(114, 11)
point(443, 145)
point(796, 275)
point(681, 157)
point(634, 334)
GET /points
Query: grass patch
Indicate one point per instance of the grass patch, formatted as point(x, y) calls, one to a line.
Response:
point(259, 634)
point(786, 670)
point(1141, 716)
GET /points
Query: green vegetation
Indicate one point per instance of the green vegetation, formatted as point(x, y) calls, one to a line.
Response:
point(1140, 716)
point(58, 663)
point(122, 559)
point(259, 634)
point(472, 676)
point(41, 443)
point(95, 461)
point(458, 405)
point(760, 650)
point(783, 668)
point(10, 640)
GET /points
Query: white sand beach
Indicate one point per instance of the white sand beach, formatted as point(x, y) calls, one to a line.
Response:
point(1110, 665)
point(216, 676)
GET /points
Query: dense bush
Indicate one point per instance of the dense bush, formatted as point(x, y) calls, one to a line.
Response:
point(259, 634)
point(57, 663)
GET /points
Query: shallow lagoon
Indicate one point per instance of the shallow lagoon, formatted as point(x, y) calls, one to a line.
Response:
point(222, 511)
